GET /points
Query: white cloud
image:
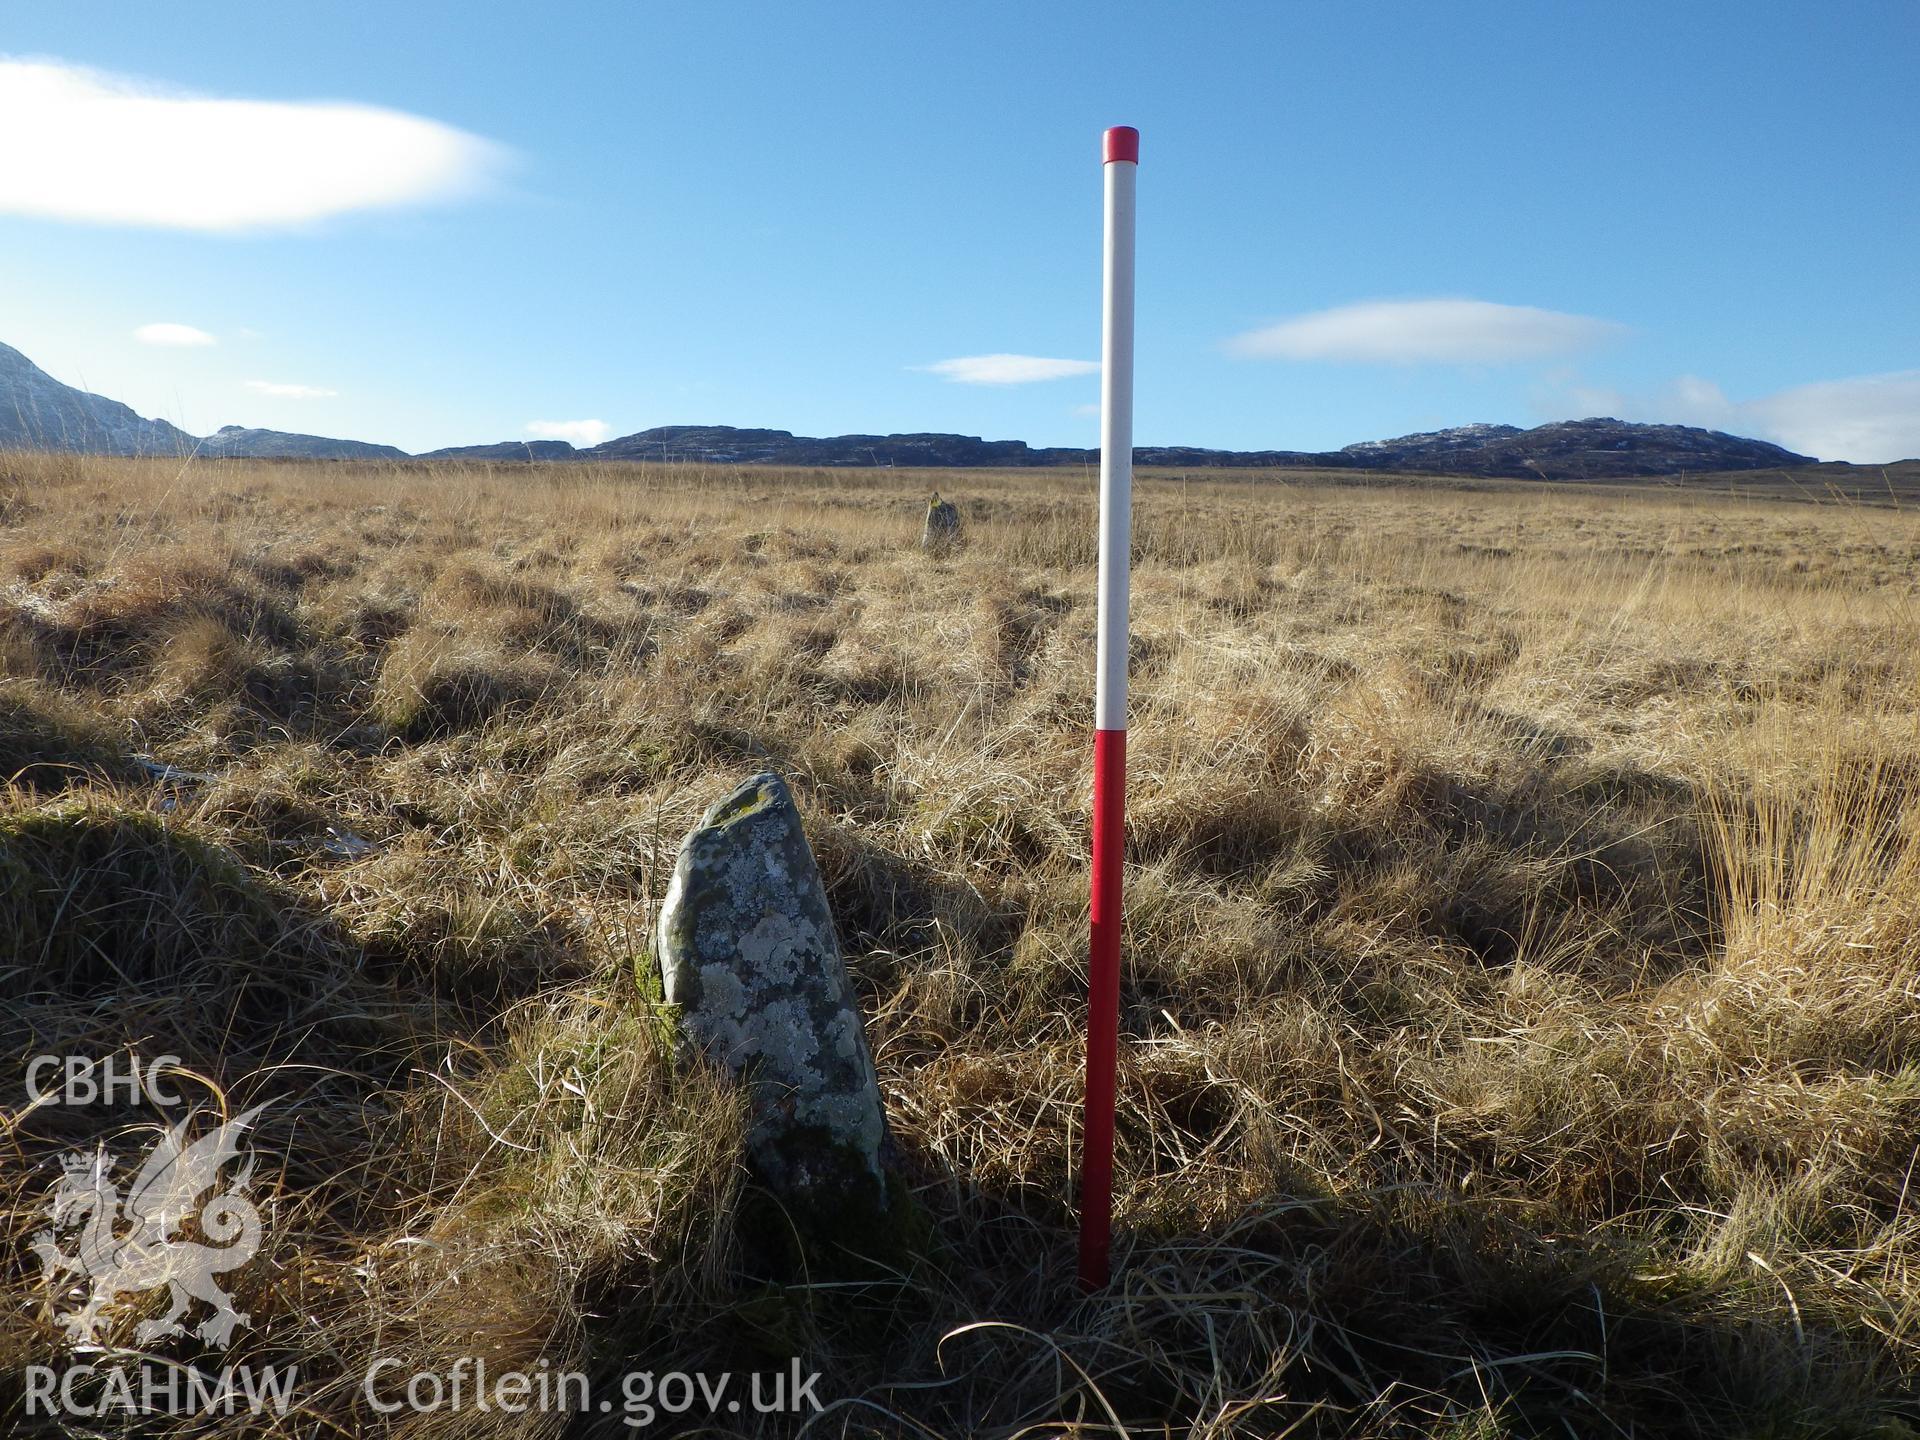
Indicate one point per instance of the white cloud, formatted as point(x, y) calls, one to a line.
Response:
point(578, 432)
point(1455, 332)
point(167, 333)
point(1868, 419)
point(1007, 369)
point(290, 392)
point(113, 150)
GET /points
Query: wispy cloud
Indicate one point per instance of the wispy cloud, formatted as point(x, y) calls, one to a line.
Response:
point(282, 391)
point(1007, 369)
point(1448, 332)
point(1868, 419)
point(577, 432)
point(167, 333)
point(114, 150)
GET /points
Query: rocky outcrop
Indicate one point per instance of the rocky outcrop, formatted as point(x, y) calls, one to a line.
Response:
point(749, 954)
point(236, 442)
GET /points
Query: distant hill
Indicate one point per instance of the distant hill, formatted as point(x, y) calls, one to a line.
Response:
point(505, 450)
point(238, 443)
point(38, 412)
point(1572, 450)
point(1565, 450)
point(725, 445)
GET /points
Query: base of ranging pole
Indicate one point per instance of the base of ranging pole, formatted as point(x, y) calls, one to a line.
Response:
point(1103, 1004)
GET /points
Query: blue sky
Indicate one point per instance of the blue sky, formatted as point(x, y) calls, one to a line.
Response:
point(779, 214)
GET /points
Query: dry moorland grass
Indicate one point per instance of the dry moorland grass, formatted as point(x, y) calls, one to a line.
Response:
point(1522, 995)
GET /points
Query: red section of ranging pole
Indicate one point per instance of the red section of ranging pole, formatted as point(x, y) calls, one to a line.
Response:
point(1120, 154)
point(1103, 1003)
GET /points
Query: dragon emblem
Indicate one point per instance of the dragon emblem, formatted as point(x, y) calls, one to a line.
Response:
point(131, 1245)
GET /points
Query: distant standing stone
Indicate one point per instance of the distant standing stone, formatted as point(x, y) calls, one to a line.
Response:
point(749, 954)
point(942, 531)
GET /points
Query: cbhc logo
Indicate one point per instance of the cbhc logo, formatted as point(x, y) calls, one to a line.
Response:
point(79, 1080)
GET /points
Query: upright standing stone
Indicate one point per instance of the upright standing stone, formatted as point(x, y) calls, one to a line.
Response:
point(749, 954)
point(942, 530)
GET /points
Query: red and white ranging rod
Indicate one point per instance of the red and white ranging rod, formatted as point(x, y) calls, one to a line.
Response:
point(1120, 161)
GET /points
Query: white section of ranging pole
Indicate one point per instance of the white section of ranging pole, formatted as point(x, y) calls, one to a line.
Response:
point(1116, 449)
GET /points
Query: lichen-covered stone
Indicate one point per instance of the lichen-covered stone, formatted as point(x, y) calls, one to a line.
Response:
point(749, 954)
point(942, 530)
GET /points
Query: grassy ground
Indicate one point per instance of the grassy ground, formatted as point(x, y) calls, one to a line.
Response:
point(1522, 1002)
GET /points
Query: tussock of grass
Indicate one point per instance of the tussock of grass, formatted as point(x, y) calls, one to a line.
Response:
point(48, 742)
point(432, 685)
point(122, 923)
point(1521, 987)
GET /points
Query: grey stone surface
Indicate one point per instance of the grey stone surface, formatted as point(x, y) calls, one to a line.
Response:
point(749, 953)
point(942, 530)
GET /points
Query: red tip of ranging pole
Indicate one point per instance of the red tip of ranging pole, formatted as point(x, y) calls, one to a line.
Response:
point(1122, 143)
